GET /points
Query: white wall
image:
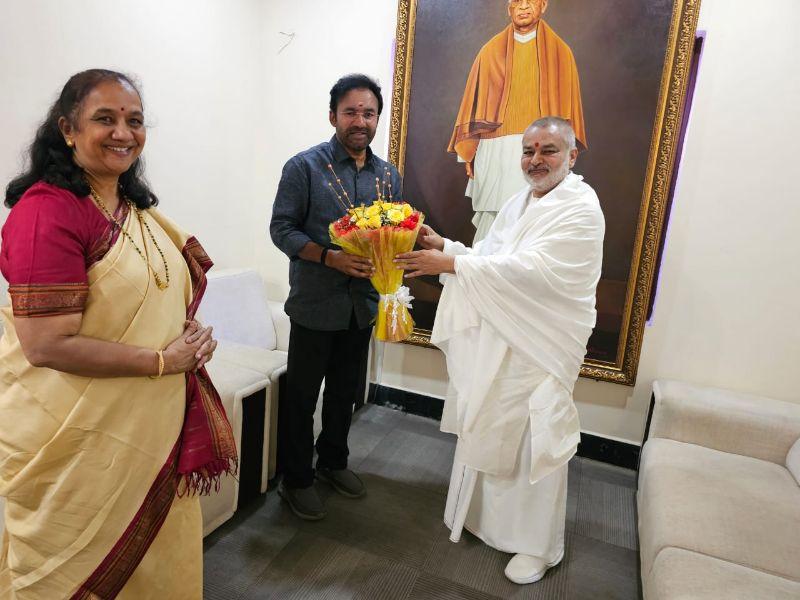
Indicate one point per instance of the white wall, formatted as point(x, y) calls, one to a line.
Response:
point(200, 65)
point(230, 107)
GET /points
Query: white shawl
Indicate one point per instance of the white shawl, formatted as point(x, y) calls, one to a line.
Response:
point(529, 287)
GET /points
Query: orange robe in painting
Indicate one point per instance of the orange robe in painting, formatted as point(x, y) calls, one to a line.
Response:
point(487, 93)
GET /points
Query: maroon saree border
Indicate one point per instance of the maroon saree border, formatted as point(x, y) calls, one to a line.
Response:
point(105, 242)
point(48, 300)
point(210, 451)
point(110, 577)
point(199, 263)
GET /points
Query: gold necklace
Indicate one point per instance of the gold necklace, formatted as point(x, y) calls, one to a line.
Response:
point(160, 283)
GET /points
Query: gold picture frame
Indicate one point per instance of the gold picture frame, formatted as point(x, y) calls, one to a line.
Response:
point(655, 193)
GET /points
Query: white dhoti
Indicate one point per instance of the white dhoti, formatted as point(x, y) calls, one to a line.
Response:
point(498, 177)
point(491, 494)
point(510, 514)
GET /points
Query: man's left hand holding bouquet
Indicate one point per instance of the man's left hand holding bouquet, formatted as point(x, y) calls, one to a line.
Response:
point(349, 264)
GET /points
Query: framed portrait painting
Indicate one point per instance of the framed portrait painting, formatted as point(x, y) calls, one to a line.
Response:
point(470, 75)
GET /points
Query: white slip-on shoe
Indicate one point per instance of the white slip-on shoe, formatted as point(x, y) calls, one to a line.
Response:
point(523, 569)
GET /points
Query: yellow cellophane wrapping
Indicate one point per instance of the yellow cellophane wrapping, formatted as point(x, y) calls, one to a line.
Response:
point(393, 323)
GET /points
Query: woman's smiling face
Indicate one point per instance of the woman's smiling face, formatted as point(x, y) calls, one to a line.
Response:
point(108, 134)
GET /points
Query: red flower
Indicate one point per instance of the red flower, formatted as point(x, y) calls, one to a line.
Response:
point(343, 225)
point(410, 222)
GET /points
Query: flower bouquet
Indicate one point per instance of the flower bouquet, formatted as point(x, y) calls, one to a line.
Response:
point(379, 232)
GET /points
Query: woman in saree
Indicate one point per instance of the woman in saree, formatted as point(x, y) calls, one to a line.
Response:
point(109, 425)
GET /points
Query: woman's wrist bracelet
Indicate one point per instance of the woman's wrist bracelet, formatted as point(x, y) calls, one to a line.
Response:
point(323, 255)
point(160, 354)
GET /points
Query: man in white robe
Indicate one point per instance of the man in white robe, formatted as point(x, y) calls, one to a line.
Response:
point(513, 320)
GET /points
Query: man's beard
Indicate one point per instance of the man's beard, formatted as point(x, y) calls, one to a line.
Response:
point(542, 186)
point(361, 143)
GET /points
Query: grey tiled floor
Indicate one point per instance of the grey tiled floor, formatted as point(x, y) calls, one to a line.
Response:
point(392, 543)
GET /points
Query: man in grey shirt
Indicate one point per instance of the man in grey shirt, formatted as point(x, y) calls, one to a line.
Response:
point(331, 302)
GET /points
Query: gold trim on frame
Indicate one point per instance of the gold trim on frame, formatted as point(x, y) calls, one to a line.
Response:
point(420, 337)
point(666, 130)
point(401, 88)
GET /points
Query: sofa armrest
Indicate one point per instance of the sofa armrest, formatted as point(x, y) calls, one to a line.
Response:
point(734, 422)
point(282, 325)
point(271, 448)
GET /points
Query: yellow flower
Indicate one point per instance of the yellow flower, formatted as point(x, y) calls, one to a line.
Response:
point(361, 223)
point(395, 215)
point(373, 210)
point(387, 206)
point(407, 210)
point(374, 222)
point(358, 212)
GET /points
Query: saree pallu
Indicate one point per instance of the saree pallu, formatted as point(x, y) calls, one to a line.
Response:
point(89, 468)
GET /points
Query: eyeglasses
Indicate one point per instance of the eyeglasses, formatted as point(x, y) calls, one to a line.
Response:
point(352, 115)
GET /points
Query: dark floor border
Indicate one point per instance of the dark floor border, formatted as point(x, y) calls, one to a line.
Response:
point(613, 452)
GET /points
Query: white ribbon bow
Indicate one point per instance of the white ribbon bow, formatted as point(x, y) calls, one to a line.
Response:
point(402, 297)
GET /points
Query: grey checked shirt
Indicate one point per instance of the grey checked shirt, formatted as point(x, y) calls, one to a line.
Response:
point(320, 297)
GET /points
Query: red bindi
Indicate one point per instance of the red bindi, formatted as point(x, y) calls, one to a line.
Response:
point(122, 109)
point(536, 145)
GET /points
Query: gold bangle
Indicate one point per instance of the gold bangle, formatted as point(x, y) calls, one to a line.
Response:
point(160, 354)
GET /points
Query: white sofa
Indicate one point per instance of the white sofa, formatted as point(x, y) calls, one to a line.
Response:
point(253, 336)
point(719, 498)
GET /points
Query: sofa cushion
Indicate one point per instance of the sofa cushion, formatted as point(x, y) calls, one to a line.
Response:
point(737, 508)
point(728, 421)
point(679, 573)
point(235, 303)
point(793, 461)
point(251, 357)
point(234, 382)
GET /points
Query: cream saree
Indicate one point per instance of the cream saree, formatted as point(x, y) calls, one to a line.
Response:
point(90, 466)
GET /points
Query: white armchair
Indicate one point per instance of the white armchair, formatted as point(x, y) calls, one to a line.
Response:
point(253, 336)
point(718, 500)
